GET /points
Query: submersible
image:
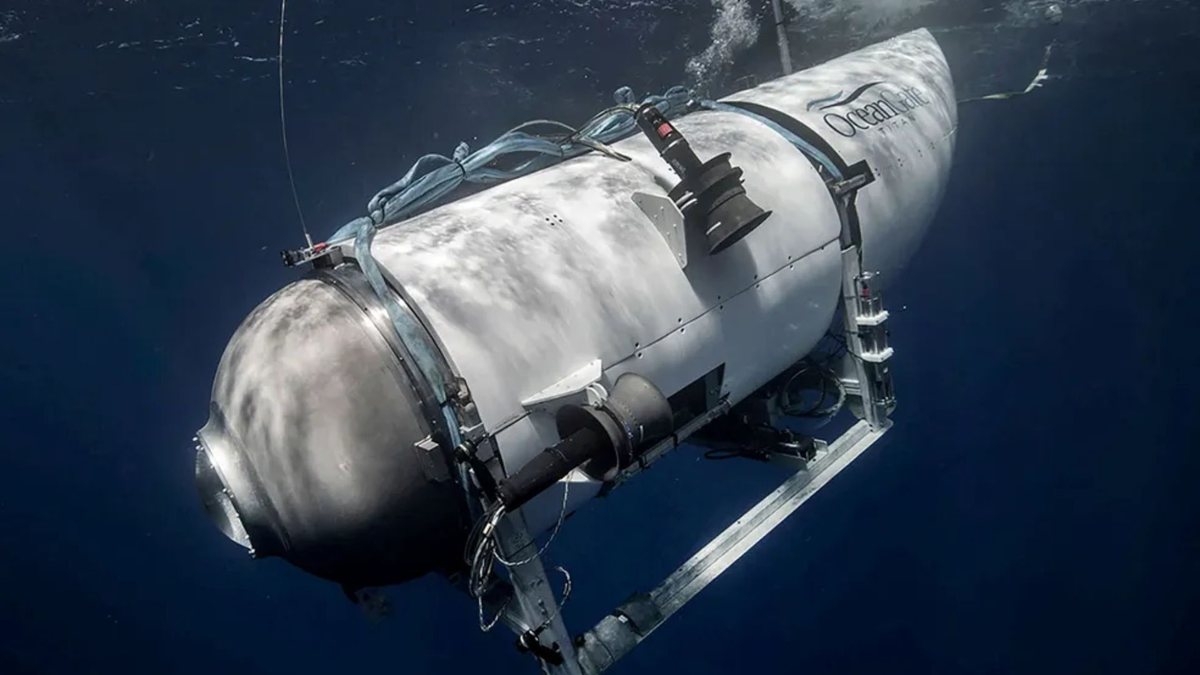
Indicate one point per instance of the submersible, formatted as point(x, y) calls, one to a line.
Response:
point(538, 339)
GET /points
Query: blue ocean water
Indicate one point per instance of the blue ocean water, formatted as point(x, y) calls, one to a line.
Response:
point(1034, 509)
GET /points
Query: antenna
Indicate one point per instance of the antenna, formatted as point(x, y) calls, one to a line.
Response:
point(287, 156)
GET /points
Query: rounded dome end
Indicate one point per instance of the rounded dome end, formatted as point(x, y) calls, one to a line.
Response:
point(310, 452)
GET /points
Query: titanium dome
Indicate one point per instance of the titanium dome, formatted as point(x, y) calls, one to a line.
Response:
point(309, 452)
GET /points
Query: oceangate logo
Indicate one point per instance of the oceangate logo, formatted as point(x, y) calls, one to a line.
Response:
point(837, 100)
point(884, 105)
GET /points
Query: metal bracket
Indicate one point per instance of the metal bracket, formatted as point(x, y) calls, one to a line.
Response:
point(580, 387)
point(322, 256)
point(851, 184)
point(432, 460)
point(865, 368)
point(668, 220)
point(533, 606)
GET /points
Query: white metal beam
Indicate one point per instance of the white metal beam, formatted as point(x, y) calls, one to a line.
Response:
point(618, 633)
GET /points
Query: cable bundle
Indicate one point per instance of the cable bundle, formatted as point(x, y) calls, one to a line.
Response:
point(522, 150)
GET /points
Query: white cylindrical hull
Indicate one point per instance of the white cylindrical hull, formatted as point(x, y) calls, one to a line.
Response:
point(327, 442)
point(530, 281)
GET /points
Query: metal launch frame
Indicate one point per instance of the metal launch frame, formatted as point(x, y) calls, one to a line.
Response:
point(531, 609)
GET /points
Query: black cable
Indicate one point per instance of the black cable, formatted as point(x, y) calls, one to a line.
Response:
point(719, 454)
point(791, 411)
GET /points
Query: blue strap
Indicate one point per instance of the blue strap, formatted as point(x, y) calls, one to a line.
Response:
point(419, 348)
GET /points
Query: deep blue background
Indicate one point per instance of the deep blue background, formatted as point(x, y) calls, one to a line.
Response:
point(1035, 509)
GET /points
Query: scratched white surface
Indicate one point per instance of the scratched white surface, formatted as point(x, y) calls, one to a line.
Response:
point(528, 281)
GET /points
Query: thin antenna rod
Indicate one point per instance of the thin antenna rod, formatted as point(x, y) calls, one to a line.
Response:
point(287, 156)
point(785, 52)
